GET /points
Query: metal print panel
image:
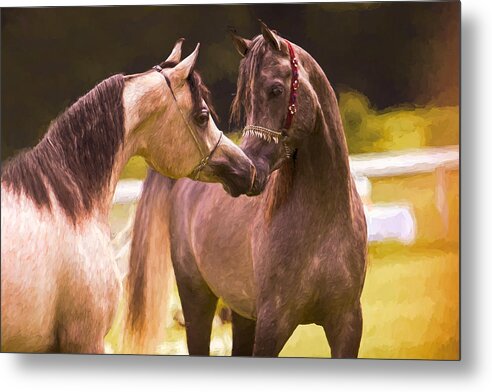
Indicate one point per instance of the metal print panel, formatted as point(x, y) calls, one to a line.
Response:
point(247, 180)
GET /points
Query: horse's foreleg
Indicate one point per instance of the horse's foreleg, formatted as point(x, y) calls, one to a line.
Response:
point(343, 330)
point(85, 315)
point(243, 335)
point(198, 311)
point(273, 329)
point(199, 305)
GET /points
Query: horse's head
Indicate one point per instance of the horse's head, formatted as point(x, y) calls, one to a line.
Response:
point(168, 112)
point(274, 99)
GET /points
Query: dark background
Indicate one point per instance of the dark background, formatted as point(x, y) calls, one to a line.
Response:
point(394, 53)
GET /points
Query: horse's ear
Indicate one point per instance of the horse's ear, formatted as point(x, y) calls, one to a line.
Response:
point(185, 67)
point(175, 55)
point(269, 35)
point(241, 44)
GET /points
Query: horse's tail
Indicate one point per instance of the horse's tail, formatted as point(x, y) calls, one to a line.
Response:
point(149, 271)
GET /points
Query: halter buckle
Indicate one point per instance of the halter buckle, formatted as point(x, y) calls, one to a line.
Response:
point(204, 161)
point(196, 171)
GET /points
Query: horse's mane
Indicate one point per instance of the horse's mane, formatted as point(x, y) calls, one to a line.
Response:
point(74, 160)
point(281, 183)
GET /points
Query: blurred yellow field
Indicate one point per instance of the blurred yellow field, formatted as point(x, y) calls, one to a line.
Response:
point(410, 304)
point(410, 300)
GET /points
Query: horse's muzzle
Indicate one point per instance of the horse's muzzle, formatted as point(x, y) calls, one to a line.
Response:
point(258, 184)
point(232, 168)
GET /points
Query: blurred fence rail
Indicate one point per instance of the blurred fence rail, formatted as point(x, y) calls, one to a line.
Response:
point(394, 220)
point(405, 162)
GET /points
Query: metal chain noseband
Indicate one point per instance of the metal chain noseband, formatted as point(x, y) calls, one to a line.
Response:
point(266, 134)
point(275, 136)
point(204, 161)
point(269, 135)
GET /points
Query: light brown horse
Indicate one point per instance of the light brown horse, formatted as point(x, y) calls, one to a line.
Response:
point(60, 285)
point(294, 255)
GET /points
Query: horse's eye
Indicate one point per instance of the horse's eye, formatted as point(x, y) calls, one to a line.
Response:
point(276, 90)
point(202, 117)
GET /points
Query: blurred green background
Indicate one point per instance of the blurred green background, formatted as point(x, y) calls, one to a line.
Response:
point(383, 55)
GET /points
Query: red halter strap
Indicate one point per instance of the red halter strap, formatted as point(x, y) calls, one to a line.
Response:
point(294, 85)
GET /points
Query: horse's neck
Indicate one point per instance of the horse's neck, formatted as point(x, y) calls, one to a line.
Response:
point(104, 192)
point(322, 166)
point(104, 197)
point(322, 172)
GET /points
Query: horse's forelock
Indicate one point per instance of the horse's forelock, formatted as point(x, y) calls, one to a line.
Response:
point(248, 70)
point(199, 91)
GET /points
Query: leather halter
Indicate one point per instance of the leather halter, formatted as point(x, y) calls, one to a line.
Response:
point(276, 135)
point(206, 156)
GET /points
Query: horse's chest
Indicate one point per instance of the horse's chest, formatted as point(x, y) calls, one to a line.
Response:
point(47, 266)
point(31, 252)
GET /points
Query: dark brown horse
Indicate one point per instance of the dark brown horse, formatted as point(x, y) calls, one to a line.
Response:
point(294, 255)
